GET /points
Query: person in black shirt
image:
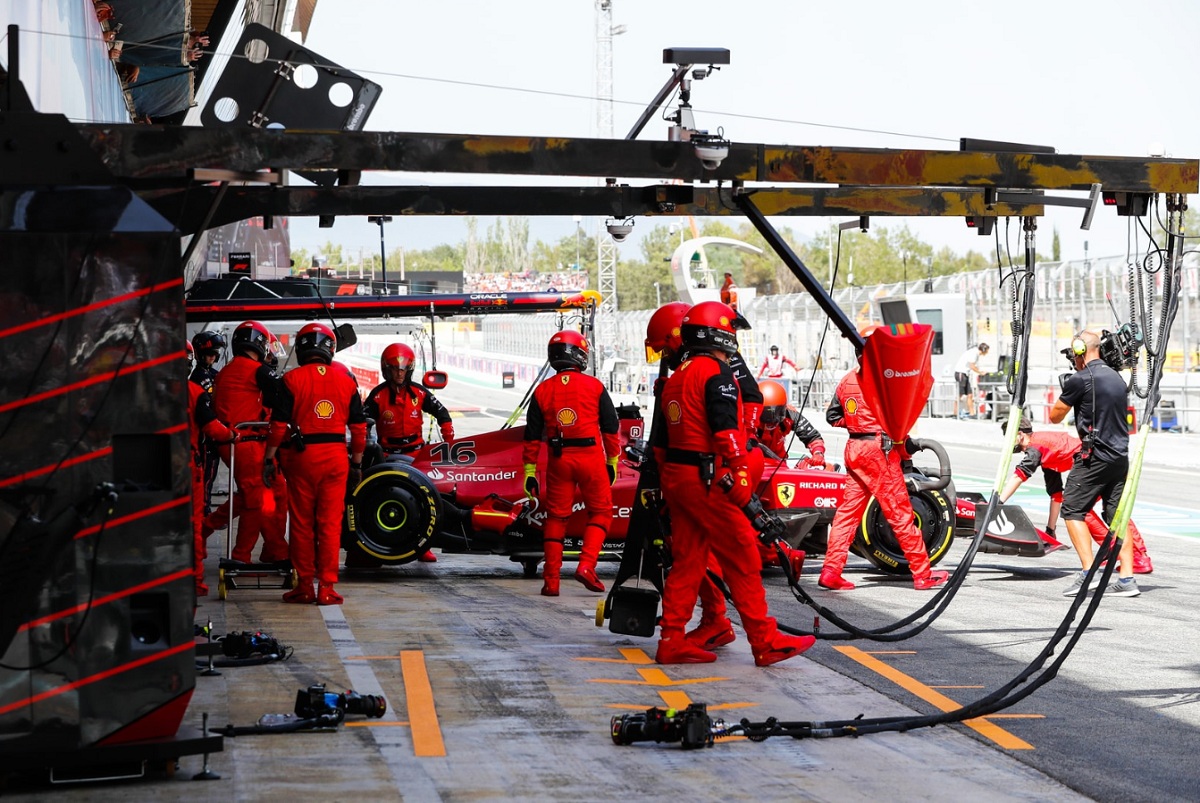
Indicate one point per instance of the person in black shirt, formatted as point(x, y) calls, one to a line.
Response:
point(1099, 397)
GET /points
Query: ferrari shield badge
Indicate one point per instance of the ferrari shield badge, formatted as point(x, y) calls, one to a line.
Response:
point(785, 492)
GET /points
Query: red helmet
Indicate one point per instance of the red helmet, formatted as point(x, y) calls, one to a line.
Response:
point(708, 326)
point(191, 352)
point(254, 336)
point(662, 331)
point(397, 357)
point(567, 349)
point(774, 402)
point(315, 342)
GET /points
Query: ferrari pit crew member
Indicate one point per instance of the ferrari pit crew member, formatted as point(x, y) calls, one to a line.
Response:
point(663, 341)
point(399, 405)
point(779, 419)
point(773, 364)
point(319, 400)
point(243, 389)
point(575, 415)
point(201, 421)
point(1054, 453)
point(872, 469)
point(706, 483)
point(752, 398)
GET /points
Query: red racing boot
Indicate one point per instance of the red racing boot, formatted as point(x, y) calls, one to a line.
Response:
point(587, 576)
point(552, 568)
point(327, 596)
point(674, 648)
point(302, 594)
point(427, 557)
point(932, 580)
point(834, 582)
point(712, 633)
point(781, 648)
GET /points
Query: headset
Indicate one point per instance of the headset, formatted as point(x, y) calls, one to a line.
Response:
point(1078, 347)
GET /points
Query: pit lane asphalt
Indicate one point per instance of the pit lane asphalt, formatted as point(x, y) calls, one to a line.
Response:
point(518, 690)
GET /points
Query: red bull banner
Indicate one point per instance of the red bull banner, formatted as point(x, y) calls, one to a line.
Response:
point(895, 376)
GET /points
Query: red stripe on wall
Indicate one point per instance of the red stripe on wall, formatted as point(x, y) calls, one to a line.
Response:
point(108, 302)
point(105, 377)
point(107, 598)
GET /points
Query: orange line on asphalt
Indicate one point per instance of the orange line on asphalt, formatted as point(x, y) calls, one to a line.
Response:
point(913, 686)
point(675, 699)
point(630, 655)
point(426, 733)
point(956, 687)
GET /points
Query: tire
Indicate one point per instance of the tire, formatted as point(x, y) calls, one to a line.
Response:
point(934, 516)
point(391, 516)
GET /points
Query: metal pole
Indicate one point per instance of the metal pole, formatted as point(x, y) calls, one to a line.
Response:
point(382, 256)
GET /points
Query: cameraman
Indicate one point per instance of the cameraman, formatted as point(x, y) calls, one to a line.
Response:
point(1099, 396)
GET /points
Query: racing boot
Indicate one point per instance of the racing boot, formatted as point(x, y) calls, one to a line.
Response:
point(201, 589)
point(931, 580)
point(587, 576)
point(552, 568)
point(834, 582)
point(712, 633)
point(427, 557)
point(1141, 561)
point(327, 596)
point(674, 648)
point(302, 594)
point(781, 648)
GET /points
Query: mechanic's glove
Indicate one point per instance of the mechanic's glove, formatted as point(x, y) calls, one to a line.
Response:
point(817, 457)
point(1049, 531)
point(650, 498)
point(268, 472)
point(355, 476)
point(611, 465)
point(910, 446)
point(735, 482)
point(448, 431)
point(531, 482)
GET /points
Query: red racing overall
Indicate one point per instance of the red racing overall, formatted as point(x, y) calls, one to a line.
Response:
point(575, 414)
point(400, 415)
point(702, 410)
point(869, 470)
point(320, 401)
point(1054, 453)
point(201, 421)
point(238, 398)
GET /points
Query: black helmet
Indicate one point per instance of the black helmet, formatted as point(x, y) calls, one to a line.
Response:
point(567, 349)
point(315, 342)
point(208, 341)
point(709, 326)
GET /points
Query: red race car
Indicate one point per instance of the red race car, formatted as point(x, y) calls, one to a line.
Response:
point(399, 509)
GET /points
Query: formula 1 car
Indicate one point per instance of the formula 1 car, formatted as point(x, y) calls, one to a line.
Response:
point(404, 506)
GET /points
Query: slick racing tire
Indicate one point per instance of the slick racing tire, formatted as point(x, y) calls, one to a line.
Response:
point(391, 515)
point(934, 517)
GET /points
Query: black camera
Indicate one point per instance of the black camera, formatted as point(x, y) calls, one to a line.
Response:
point(1118, 349)
point(244, 644)
point(691, 727)
point(315, 702)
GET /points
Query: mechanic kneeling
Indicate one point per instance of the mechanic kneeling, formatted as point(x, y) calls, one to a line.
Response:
point(706, 483)
point(398, 405)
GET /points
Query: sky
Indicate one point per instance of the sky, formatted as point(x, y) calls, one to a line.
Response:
point(1099, 77)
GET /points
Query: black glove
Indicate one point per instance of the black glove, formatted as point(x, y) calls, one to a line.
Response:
point(612, 471)
point(910, 446)
point(1049, 531)
point(268, 473)
point(355, 476)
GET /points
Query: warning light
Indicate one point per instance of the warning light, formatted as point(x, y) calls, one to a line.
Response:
point(983, 224)
point(1128, 204)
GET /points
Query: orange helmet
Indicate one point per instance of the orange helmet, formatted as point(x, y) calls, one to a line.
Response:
point(709, 326)
point(315, 342)
point(774, 402)
point(567, 349)
point(662, 330)
point(397, 357)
